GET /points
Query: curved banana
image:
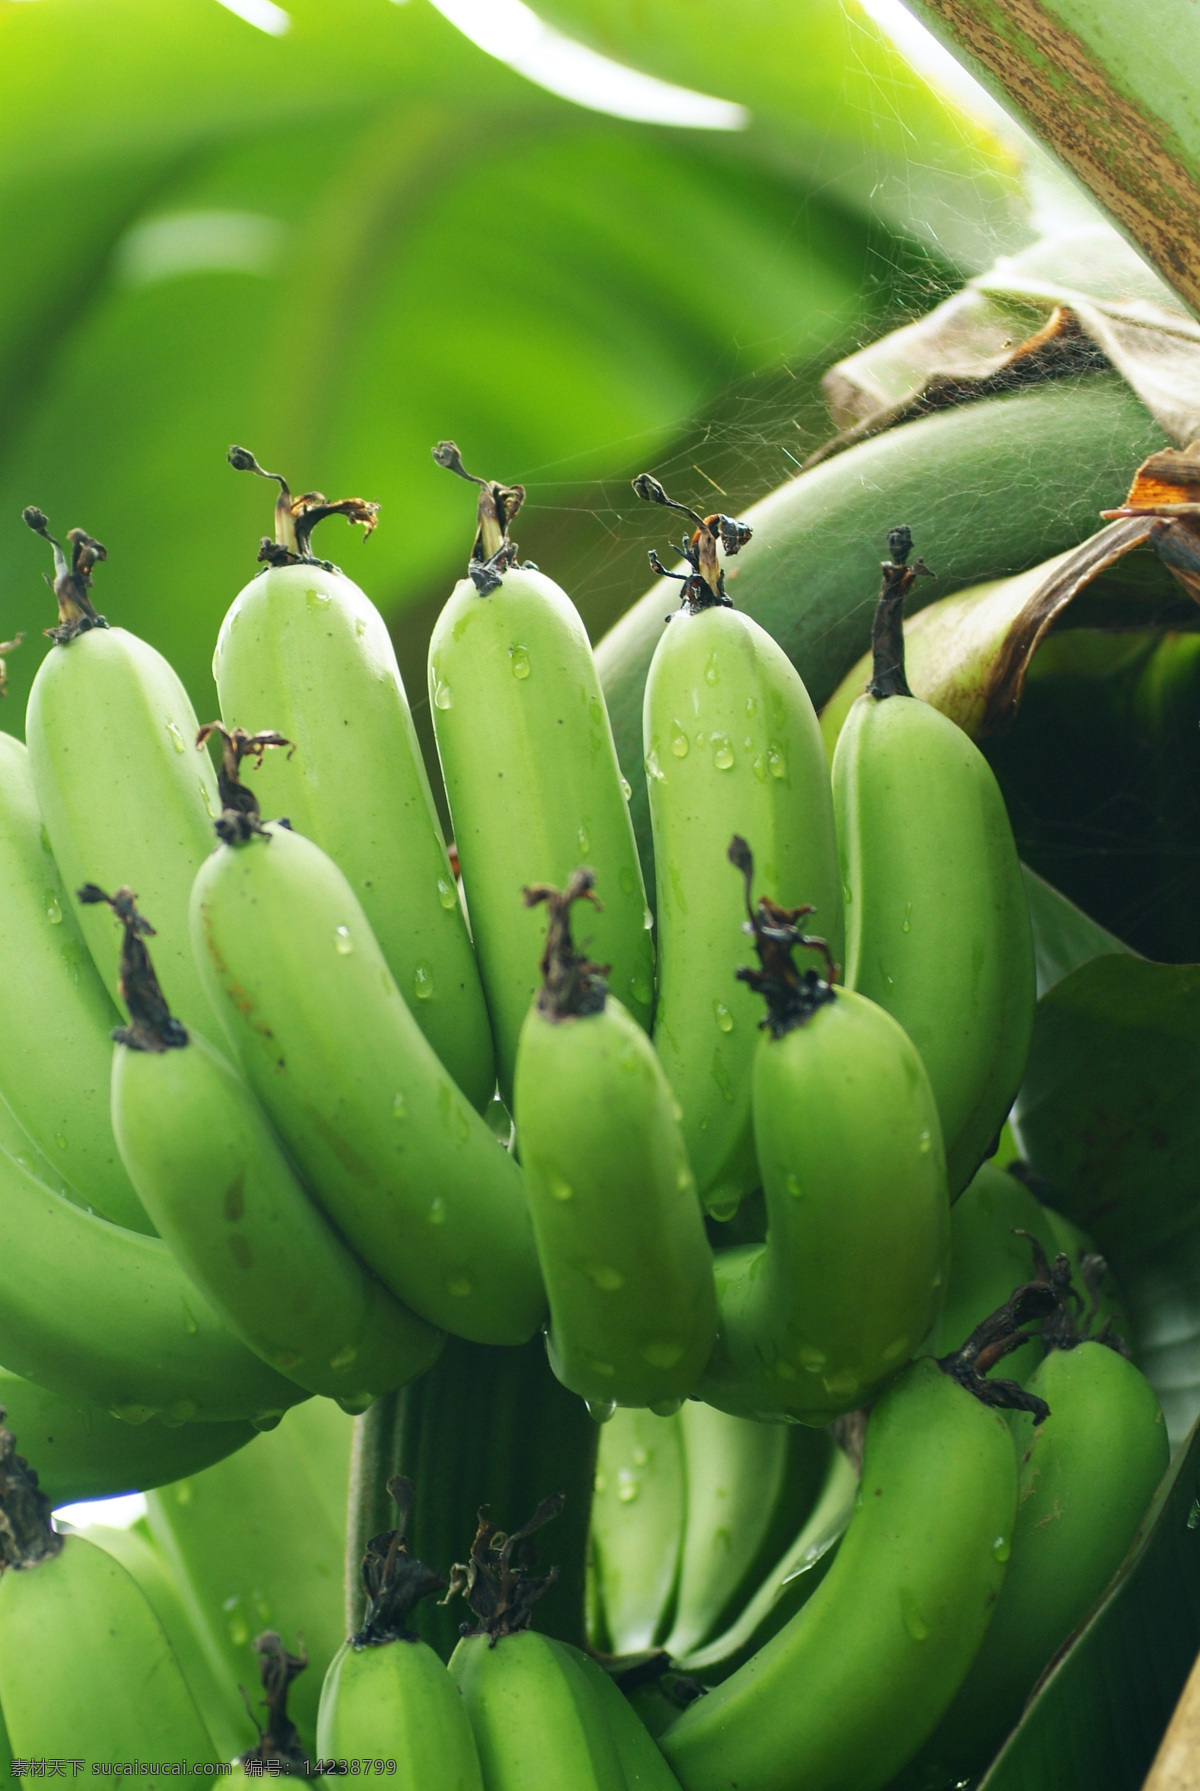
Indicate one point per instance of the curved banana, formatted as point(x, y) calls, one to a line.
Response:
point(937, 926)
point(852, 1275)
point(852, 1685)
point(302, 649)
point(638, 1513)
point(620, 1234)
point(988, 1259)
point(1087, 1474)
point(258, 1541)
point(644, 1767)
point(222, 1194)
point(15, 1142)
point(95, 1312)
point(409, 1173)
point(215, 1693)
point(531, 772)
point(750, 1489)
point(732, 745)
point(123, 797)
point(55, 1013)
point(386, 1694)
point(86, 1668)
point(83, 1452)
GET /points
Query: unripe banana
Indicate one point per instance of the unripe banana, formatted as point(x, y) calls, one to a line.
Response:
point(83, 1452)
point(638, 1513)
point(1000, 485)
point(216, 1694)
point(851, 1686)
point(988, 1259)
point(222, 1194)
point(537, 1721)
point(620, 1235)
point(15, 1142)
point(123, 797)
point(937, 926)
point(531, 772)
point(750, 1489)
point(92, 1311)
point(852, 1275)
point(387, 1695)
point(86, 1669)
point(407, 1170)
point(1087, 1475)
point(732, 745)
point(302, 649)
point(55, 1013)
point(644, 1767)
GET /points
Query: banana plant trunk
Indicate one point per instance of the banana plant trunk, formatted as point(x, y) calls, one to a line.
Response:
point(1114, 92)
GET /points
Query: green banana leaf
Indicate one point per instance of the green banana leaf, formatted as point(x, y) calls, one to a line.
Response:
point(1099, 1715)
point(1116, 102)
point(339, 245)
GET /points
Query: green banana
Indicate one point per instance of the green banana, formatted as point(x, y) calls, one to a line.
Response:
point(937, 925)
point(852, 1275)
point(732, 745)
point(790, 1583)
point(409, 1173)
point(302, 649)
point(83, 1452)
point(486, 1426)
point(7, 1782)
point(619, 1231)
point(212, 1175)
point(386, 1694)
point(55, 1013)
point(1047, 459)
point(750, 1489)
point(643, 1765)
point(1087, 1475)
point(86, 1668)
point(94, 1312)
point(15, 1142)
point(256, 1543)
point(638, 1518)
point(123, 799)
point(531, 771)
point(853, 1684)
point(215, 1693)
point(987, 1261)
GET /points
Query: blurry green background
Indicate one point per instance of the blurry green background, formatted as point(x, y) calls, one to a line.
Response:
point(343, 230)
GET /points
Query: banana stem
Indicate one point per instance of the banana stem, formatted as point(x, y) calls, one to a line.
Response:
point(493, 552)
point(485, 1426)
point(887, 634)
point(296, 518)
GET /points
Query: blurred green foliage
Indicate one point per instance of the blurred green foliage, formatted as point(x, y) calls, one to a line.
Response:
point(339, 244)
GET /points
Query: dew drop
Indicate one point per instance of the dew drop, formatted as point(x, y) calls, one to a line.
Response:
point(437, 1211)
point(722, 1210)
point(924, 1144)
point(776, 763)
point(604, 1368)
point(399, 1107)
point(53, 909)
point(447, 894)
point(354, 1404)
point(606, 1279)
point(131, 1413)
point(600, 1411)
point(759, 767)
point(267, 1420)
point(895, 1349)
point(60, 1141)
point(345, 1358)
point(627, 881)
point(360, 627)
point(520, 661)
point(676, 1110)
point(239, 1634)
point(561, 1189)
point(722, 1078)
point(189, 1322)
point(647, 920)
point(683, 1179)
point(626, 788)
point(206, 799)
point(722, 753)
point(585, 844)
point(462, 1125)
point(343, 945)
point(723, 1016)
point(680, 745)
point(653, 768)
point(177, 740)
point(665, 1352)
point(751, 705)
point(794, 1186)
point(423, 980)
point(640, 990)
point(812, 1359)
point(1002, 1548)
point(458, 1287)
point(180, 1411)
point(913, 1621)
point(907, 926)
point(843, 1384)
point(442, 695)
point(628, 1491)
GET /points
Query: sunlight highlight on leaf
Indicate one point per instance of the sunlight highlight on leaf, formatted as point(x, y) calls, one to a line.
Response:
point(262, 13)
point(512, 33)
point(195, 242)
